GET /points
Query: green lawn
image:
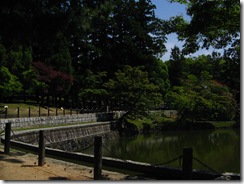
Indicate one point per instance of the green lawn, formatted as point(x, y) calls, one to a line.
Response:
point(223, 124)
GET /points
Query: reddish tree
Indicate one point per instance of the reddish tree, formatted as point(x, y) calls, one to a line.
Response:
point(58, 82)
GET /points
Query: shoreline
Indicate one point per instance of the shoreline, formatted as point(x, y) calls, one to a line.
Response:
point(22, 166)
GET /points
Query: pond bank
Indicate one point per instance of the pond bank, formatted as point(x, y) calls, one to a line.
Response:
point(128, 129)
point(20, 165)
point(104, 160)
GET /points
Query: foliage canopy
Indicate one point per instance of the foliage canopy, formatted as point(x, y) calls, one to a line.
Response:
point(107, 53)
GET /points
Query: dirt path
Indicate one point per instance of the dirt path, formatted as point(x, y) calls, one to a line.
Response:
point(24, 166)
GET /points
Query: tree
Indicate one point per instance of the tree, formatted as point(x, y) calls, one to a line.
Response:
point(3, 55)
point(194, 102)
point(16, 18)
point(59, 59)
point(158, 75)
point(213, 23)
point(132, 90)
point(199, 96)
point(175, 65)
point(50, 45)
point(108, 40)
point(19, 62)
point(9, 83)
point(92, 90)
point(55, 81)
point(128, 33)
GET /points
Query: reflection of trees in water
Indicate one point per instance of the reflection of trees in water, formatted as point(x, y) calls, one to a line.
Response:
point(221, 136)
point(219, 149)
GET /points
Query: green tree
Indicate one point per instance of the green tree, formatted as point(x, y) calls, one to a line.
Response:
point(114, 34)
point(198, 103)
point(93, 90)
point(132, 90)
point(158, 75)
point(49, 45)
point(3, 55)
point(18, 61)
point(16, 18)
point(199, 96)
point(9, 83)
point(175, 66)
point(59, 59)
point(126, 32)
point(213, 23)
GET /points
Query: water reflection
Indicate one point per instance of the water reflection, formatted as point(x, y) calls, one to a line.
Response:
point(218, 149)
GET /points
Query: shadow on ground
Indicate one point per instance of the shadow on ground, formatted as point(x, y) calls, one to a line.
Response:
point(58, 178)
point(13, 160)
point(4, 157)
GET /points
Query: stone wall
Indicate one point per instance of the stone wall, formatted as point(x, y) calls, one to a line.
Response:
point(67, 138)
point(170, 113)
point(59, 120)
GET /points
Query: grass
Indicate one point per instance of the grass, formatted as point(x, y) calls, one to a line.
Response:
point(152, 120)
point(223, 124)
point(46, 126)
point(34, 109)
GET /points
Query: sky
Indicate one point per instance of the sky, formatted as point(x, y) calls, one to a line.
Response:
point(164, 10)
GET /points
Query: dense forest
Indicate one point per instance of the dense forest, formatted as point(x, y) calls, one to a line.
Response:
point(99, 54)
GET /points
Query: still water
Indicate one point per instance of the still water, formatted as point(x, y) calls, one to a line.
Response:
point(215, 149)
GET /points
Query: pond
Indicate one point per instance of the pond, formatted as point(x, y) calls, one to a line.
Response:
point(217, 150)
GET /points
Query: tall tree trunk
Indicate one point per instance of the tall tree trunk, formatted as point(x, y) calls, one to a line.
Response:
point(48, 99)
point(24, 95)
point(37, 97)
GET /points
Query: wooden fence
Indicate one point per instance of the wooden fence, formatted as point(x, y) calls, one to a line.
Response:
point(6, 112)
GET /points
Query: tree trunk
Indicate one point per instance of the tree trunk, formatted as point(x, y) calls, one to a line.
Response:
point(37, 98)
point(48, 99)
point(24, 95)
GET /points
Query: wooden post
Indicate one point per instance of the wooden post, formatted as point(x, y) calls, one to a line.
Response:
point(29, 112)
point(41, 153)
point(17, 112)
point(48, 113)
point(39, 111)
point(97, 157)
point(187, 163)
point(7, 138)
point(6, 112)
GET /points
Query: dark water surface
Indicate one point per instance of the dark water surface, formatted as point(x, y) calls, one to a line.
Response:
point(215, 149)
